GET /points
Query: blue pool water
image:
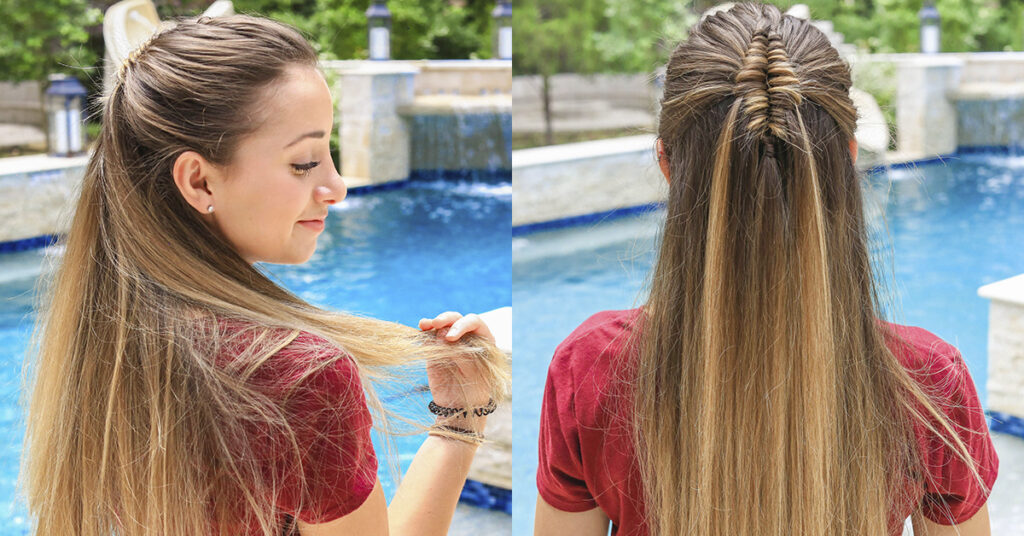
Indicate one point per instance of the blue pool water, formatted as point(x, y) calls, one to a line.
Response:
point(951, 228)
point(398, 255)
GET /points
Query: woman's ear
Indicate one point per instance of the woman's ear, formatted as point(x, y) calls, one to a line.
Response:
point(853, 149)
point(663, 161)
point(192, 175)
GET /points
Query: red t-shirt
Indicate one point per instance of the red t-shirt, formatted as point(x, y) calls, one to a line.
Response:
point(586, 458)
point(328, 413)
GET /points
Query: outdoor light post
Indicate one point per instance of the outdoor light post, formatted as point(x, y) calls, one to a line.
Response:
point(929, 16)
point(378, 20)
point(64, 100)
point(503, 37)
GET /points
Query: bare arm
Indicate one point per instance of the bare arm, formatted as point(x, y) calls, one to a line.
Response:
point(426, 498)
point(977, 525)
point(549, 520)
point(424, 503)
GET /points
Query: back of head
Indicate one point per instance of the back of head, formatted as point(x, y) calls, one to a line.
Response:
point(762, 371)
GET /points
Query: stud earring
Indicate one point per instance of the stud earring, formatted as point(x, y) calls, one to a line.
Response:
point(209, 209)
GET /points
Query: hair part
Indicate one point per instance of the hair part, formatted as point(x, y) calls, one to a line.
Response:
point(135, 427)
point(766, 399)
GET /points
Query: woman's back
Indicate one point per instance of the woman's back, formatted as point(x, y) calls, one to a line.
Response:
point(587, 458)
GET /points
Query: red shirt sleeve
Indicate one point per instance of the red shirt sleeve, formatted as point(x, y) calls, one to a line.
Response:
point(560, 479)
point(332, 424)
point(952, 493)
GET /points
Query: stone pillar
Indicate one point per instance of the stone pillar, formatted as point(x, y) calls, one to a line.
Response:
point(926, 115)
point(1006, 345)
point(374, 137)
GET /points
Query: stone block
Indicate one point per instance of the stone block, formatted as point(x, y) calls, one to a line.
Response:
point(1006, 345)
point(925, 115)
point(563, 181)
point(37, 195)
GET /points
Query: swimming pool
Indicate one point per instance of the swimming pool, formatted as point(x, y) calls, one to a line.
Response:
point(951, 229)
point(400, 255)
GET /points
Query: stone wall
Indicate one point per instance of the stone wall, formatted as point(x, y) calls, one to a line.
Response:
point(952, 100)
point(36, 194)
point(563, 181)
point(22, 103)
point(1006, 345)
point(400, 118)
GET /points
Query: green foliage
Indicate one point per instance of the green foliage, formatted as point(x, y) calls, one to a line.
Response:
point(894, 25)
point(640, 34)
point(588, 36)
point(421, 29)
point(41, 38)
point(551, 36)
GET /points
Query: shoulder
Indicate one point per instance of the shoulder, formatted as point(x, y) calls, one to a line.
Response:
point(600, 337)
point(931, 361)
point(955, 487)
point(585, 365)
point(287, 359)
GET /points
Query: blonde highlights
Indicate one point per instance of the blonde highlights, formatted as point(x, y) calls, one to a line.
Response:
point(136, 425)
point(766, 399)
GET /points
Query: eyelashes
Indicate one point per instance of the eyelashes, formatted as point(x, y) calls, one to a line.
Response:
point(303, 169)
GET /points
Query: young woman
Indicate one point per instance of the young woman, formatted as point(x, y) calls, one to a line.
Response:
point(757, 392)
point(177, 390)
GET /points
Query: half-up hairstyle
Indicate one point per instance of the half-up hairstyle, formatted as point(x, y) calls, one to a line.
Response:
point(135, 426)
point(766, 400)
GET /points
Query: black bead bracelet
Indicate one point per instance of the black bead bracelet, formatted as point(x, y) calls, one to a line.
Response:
point(481, 411)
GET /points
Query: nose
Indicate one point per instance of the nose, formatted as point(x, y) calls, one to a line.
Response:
point(333, 191)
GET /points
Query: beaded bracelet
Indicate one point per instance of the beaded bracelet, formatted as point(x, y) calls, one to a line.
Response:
point(481, 411)
point(456, 433)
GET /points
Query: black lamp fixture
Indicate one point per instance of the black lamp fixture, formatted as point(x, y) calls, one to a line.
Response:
point(930, 36)
point(64, 101)
point(503, 36)
point(378, 20)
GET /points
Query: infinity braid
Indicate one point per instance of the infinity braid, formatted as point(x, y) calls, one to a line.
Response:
point(768, 86)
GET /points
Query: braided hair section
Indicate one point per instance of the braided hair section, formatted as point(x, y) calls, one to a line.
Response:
point(769, 87)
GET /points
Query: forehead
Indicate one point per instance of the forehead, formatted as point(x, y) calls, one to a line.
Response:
point(296, 103)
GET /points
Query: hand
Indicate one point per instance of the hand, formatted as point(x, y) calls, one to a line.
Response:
point(457, 325)
point(460, 383)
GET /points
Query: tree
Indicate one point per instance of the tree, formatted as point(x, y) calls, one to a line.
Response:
point(40, 38)
point(554, 36)
point(591, 36)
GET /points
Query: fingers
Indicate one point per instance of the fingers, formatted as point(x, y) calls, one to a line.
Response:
point(442, 320)
point(470, 323)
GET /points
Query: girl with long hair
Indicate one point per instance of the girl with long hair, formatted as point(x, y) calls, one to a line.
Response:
point(758, 391)
point(174, 388)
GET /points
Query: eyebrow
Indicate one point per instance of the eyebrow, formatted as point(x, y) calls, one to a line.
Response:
point(314, 134)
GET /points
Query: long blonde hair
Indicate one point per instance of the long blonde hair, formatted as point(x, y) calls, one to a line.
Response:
point(766, 400)
point(134, 427)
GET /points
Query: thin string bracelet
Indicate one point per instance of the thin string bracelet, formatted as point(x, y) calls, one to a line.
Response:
point(457, 434)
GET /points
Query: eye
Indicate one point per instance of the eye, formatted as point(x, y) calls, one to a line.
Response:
point(303, 169)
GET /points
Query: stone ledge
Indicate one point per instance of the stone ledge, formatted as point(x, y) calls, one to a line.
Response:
point(1008, 290)
point(558, 154)
point(444, 104)
point(40, 162)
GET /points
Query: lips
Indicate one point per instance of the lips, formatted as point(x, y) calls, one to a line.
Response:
point(315, 225)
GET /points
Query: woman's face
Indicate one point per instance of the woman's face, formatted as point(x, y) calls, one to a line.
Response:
point(282, 174)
